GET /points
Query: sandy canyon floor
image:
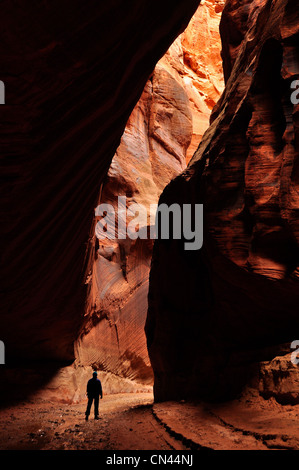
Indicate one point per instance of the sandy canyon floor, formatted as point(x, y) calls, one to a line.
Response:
point(134, 422)
point(126, 423)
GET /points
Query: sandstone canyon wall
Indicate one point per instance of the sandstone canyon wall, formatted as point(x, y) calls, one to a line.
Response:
point(165, 126)
point(215, 313)
point(202, 74)
point(73, 72)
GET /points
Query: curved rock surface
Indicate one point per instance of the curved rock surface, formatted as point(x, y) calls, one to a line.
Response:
point(203, 73)
point(151, 153)
point(169, 118)
point(73, 73)
point(213, 312)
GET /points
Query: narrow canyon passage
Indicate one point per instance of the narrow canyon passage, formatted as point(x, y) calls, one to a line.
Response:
point(195, 350)
point(161, 135)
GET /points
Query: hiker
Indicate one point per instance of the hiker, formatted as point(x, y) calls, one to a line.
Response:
point(94, 390)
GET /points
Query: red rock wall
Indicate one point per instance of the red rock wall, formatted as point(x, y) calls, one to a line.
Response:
point(151, 153)
point(203, 74)
point(161, 134)
point(73, 72)
point(214, 312)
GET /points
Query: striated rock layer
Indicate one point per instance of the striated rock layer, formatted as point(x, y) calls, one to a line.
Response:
point(202, 73)
point(73, 72)
point(151, 153)
point(166, 124)
point(215, 311)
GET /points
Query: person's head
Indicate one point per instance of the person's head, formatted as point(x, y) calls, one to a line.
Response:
point(95, 374)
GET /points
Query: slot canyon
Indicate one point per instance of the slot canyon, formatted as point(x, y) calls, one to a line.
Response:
point(185, 103)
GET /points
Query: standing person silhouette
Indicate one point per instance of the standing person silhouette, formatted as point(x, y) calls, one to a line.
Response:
point(94, 390)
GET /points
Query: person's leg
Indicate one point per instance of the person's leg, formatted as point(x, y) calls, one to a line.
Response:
point(96, 407)
point(87, 413)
